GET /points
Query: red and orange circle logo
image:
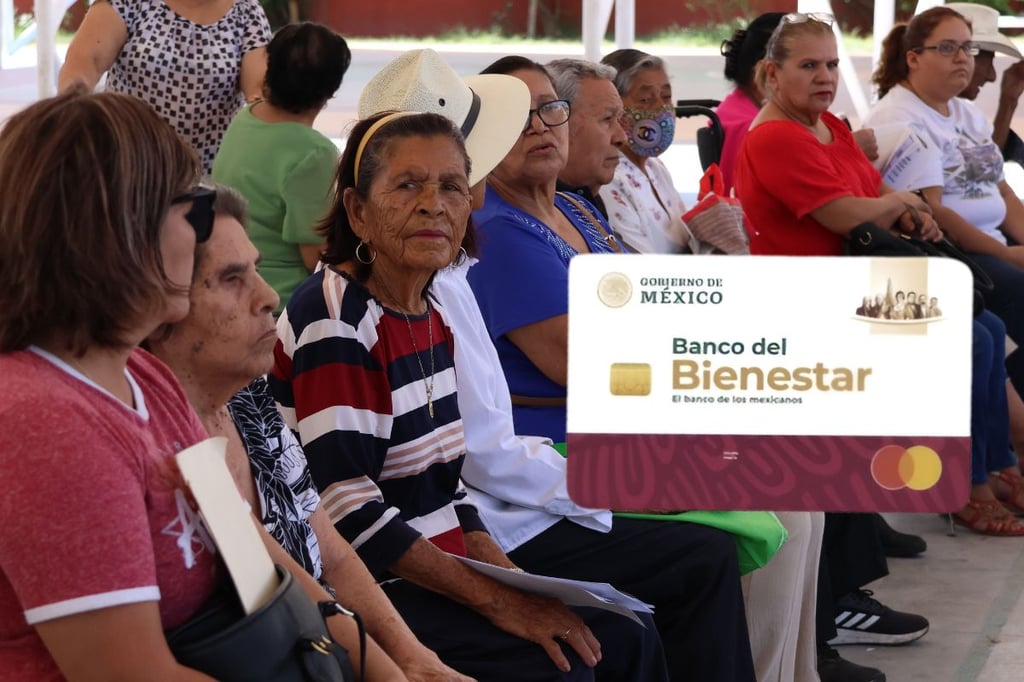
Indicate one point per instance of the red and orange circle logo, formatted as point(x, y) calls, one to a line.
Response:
point(917, 467)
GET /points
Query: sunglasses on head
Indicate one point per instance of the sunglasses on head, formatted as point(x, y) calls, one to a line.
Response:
point(801, 17)
point(200, 216)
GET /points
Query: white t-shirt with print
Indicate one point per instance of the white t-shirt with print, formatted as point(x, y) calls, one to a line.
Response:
point(955, 152)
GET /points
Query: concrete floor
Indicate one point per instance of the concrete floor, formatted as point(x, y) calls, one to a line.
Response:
point(969, 587)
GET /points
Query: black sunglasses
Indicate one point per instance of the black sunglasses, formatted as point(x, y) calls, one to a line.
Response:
point(201, 215)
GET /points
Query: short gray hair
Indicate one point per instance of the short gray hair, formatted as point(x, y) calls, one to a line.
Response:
point(627, 64)
point(567, 74)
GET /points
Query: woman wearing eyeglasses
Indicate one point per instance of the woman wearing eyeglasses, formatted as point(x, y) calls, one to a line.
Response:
point(526, 225)
point(925, 64)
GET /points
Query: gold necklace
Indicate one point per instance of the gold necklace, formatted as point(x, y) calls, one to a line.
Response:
point(429, 387)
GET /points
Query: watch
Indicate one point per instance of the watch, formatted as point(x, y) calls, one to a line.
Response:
point(332, 608)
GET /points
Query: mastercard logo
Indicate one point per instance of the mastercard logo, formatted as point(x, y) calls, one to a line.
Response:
point(917, 467)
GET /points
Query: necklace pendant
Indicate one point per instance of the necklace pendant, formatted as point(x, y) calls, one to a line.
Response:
point(430, 408)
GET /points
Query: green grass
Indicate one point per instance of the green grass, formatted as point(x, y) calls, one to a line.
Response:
point(676, 37)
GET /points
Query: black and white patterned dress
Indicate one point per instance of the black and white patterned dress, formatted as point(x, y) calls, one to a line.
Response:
point(188, 72)
point(283, 484)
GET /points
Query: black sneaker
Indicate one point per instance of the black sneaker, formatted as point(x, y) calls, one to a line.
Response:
point(861, 619)
point(834, 668)
point(896, 544)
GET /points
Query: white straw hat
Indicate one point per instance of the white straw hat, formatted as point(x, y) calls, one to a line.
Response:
point(490, 109)
point(985, 28)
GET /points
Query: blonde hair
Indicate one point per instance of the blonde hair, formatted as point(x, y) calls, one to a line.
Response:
point(780, 45)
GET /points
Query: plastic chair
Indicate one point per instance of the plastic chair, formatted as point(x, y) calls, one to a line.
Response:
point(709, 139)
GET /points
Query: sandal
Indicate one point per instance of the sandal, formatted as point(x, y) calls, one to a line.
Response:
point(989, 517)
point(1014, 501)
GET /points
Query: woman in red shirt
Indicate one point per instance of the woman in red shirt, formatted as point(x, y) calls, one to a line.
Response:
point(803, 180)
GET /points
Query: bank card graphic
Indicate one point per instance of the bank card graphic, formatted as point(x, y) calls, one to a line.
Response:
point(756, 382)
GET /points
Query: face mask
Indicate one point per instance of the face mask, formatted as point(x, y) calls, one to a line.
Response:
point(650, 132)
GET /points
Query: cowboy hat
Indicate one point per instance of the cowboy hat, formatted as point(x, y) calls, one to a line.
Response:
point(985, 27)
point(490, 109)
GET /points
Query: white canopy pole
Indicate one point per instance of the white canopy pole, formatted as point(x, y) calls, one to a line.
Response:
point(595, 20)
point(885, 13)
point(625, 23)
point(48, 17)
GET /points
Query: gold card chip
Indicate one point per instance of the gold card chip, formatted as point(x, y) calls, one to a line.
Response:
point(630, 378)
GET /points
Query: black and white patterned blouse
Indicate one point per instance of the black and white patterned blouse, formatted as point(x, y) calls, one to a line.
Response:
point(283, 484)
point(188, 72)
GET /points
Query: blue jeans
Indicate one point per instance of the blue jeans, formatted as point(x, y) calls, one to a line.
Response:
point(990, 421)
point(1007, 301)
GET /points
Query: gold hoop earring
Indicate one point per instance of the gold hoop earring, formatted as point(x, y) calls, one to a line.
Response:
point(360, 258)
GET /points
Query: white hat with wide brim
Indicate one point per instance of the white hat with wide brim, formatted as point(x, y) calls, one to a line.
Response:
point(985, 28)
point(490, 109)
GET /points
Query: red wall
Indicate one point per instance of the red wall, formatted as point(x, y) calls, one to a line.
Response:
point(420, 18)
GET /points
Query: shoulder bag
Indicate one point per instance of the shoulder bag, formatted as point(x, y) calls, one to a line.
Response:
point(285, 640)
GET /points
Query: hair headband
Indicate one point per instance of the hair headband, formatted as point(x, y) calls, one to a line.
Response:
point(380, 123)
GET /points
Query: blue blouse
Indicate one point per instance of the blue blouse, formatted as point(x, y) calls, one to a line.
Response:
point(523, 278)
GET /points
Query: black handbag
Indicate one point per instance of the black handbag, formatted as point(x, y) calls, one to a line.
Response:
point(285, 640)
point(868, 239)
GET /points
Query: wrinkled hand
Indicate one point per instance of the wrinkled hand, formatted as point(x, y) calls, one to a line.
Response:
point(865, 138)
point(545, 621)
point(1012, 84)
point(429, 668)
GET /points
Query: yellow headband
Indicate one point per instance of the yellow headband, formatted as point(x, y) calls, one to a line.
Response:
point(380, 123)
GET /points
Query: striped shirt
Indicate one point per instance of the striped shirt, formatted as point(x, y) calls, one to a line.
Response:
point(351, 377)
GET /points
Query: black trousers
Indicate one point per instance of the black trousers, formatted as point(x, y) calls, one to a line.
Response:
point(468, 642)
point(851, 557)
point(687, 571)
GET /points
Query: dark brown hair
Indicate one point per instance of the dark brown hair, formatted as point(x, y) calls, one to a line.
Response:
point(746, 48)
point(512, 63)
point(335, 227)
point(87, 182)
point(892, 65)
point(305, 65)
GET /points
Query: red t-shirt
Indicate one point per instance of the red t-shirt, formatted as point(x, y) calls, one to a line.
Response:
point(92, 513)
point(784, 173)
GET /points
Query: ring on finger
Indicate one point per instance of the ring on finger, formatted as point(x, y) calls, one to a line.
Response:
point(565, 635)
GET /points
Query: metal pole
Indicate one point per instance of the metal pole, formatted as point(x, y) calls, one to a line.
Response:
point(6, 28)
point(46, 46)
point(625, 23)
point(595, 20)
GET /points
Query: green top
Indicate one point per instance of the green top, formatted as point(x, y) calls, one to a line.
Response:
point(286, 173)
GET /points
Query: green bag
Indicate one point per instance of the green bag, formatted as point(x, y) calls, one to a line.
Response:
point(758, 534)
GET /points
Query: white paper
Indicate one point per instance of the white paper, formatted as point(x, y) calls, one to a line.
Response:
point(205, 470)
point(569, 592)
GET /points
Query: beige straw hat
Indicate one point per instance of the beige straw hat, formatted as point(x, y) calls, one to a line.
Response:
point(490, 109)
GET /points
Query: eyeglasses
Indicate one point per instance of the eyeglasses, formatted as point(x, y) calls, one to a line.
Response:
point(200, 216)
point(948, 48)
point(551, 114)
point(801, 17)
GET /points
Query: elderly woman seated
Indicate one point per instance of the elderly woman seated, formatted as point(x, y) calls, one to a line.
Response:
point(529, 235)
point(220, 352)
point(364, 373)
point(283, 166)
